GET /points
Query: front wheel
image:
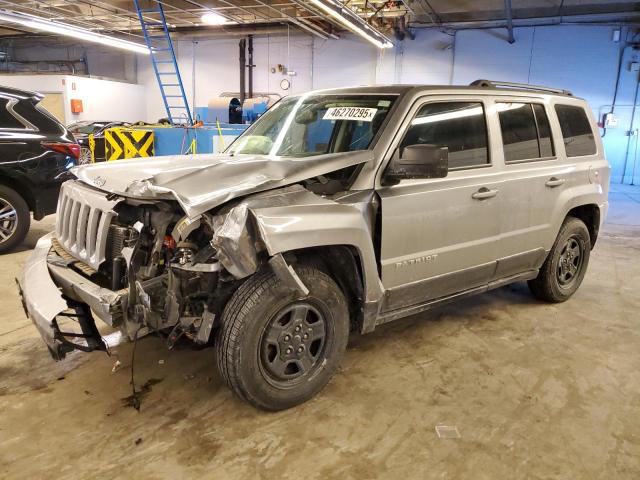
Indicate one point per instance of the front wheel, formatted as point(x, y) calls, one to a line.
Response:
point(277, 349)
point(85, 156)
point(563, 270)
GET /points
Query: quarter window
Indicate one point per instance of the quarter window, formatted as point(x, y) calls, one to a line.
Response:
point(7, 120)
point(576, 131)
point(525, 131)
point(460, 126)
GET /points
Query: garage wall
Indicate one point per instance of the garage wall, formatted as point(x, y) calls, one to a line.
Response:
point(101, 99)
point(105, 99)
point(349, 61)
point(581, 59)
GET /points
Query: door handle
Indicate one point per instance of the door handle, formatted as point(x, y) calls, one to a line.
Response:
point(484, 193)
point(554, 182)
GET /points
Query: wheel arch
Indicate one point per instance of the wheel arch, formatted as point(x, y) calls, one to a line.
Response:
point(344, 265)
point(300, 222)
point(21, 188)
point(590, 215)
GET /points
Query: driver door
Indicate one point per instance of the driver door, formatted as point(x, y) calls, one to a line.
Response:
point(440, 235)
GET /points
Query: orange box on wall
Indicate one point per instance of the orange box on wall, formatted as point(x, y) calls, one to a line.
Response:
point(76, 105)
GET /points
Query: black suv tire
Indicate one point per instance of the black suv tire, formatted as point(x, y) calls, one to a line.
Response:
point(563, 270)
point(14, 228)
point(276, 348)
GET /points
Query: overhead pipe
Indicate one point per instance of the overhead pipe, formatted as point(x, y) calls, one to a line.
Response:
point(509, 14)
point(250, 66)
point(229, 31)
point(614, 19)
point(243, 66)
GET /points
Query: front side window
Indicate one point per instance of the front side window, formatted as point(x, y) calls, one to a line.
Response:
point(7, 119)
point(460, 126)
point(526, 134)
point(576, 131)
point(315, 125)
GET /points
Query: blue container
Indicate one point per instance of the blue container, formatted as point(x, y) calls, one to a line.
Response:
point(183, 141)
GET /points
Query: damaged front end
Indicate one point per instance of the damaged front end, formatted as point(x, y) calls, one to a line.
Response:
point(143, 263)
point(139, 266)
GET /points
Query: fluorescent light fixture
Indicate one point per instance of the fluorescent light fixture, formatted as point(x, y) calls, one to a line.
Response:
point(340, 13)
point(45, 25)
point(213, 18)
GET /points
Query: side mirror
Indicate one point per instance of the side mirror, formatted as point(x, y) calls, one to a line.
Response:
point(418, 161)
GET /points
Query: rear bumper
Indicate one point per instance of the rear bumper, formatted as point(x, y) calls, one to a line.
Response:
point(49, 288)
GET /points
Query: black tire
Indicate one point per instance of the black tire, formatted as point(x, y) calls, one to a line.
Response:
point(13, 228)
point(261, 370)
point(563, 270)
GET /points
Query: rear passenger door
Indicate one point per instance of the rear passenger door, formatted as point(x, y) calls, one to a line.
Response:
point(533, 180)
point(439, 236)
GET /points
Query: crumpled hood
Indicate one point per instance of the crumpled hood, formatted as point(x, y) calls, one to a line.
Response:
point(202, 182)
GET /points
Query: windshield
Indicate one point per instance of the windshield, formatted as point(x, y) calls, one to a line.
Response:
point(85, 127)
point(314, 125)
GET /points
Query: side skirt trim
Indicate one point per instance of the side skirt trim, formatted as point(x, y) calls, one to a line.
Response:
point(423, 307)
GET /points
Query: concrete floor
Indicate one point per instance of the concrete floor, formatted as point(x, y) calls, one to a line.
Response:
point(535, 391)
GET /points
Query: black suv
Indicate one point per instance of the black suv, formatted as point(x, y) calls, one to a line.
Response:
point(35, 153)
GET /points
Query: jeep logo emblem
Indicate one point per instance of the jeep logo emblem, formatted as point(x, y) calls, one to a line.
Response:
point(99, 181)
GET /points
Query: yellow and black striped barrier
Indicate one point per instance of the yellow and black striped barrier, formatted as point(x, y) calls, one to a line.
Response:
point(92, 147)
point(121, 143)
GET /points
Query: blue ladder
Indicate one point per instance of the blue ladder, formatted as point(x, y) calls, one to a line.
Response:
point(165, 66)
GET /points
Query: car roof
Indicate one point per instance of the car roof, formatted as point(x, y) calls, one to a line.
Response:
point(482, 89)
point(19, 94)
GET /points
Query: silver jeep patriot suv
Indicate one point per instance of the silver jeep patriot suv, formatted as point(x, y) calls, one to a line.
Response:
point(337, 211)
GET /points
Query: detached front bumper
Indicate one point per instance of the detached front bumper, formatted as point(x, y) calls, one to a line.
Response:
point(51, 289)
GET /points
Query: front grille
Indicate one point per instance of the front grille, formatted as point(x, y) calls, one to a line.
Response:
point(84, 216)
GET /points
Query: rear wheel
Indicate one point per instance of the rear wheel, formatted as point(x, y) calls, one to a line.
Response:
point(14, 219)
point(276, 348)
point(565, 266)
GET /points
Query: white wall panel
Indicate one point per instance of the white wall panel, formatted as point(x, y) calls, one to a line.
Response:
point(487, 54)
point(427, 59)
point(101, 99)
point(348, 61)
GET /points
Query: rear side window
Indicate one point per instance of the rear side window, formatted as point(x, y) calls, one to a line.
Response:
point(37, 116)
point(576, 131)
point(544, 131)
point(7, 120)
point(525, 131)
point(460, 126)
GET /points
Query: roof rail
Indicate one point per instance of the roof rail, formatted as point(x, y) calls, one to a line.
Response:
point(521, 86)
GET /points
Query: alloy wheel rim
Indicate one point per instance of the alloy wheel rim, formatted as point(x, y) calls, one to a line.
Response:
point(85, 156)
point(570, 262)
point(293, 343)
point(8, 220)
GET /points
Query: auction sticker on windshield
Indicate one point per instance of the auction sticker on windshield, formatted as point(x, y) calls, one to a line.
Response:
point(350, 113)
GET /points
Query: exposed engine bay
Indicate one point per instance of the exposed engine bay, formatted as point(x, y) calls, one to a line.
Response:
point(160, 270)
point(166, 266)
